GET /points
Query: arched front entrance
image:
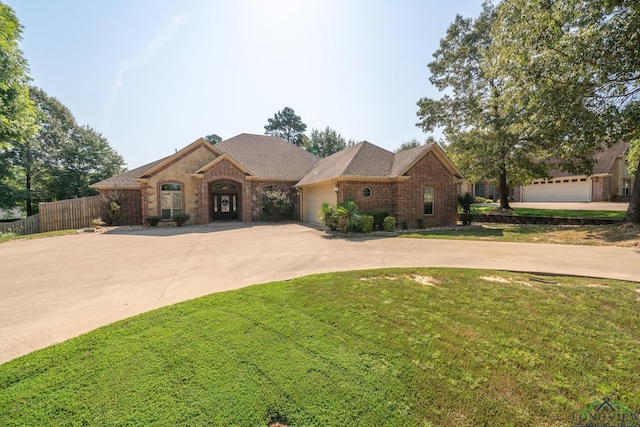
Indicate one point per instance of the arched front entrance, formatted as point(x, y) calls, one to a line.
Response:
point(225, 203)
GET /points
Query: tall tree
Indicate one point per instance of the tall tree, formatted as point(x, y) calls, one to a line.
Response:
point(577, 65)
point(325, 142)
point(213, 138)
point(287, 125)
point(62, 159)
point(484, 138)
point(16, 109)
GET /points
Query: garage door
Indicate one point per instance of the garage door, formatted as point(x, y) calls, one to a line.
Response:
point(313, 197)
point(558, 190)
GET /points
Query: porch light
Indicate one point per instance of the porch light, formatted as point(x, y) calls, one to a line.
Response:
point(335, 188)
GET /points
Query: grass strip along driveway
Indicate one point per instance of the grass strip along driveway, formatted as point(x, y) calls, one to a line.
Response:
point(564, 213)
point(410, 347)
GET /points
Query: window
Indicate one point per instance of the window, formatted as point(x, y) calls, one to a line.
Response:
point(171, 200)
point(224, 186)
point(366, 192)
point(625, 186)
point(428, 201)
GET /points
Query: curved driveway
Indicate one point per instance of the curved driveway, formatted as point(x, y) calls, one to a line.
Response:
point(57, 288)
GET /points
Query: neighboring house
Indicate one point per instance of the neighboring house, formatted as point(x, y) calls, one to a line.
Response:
point(227, 180)
point(610, 182)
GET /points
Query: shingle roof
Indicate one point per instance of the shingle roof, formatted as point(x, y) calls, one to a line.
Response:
point(268, 157)
point(125, 180)
point(368, 160)
point(362, 159)
point(607, 157)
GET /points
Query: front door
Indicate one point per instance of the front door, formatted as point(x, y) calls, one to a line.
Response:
point(225, 206)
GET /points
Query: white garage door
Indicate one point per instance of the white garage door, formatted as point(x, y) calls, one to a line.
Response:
point(558, 190)
point(313, 197)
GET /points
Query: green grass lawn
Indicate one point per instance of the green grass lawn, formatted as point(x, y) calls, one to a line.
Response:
point(565, 213)
point(9, 237)
point(411, 347)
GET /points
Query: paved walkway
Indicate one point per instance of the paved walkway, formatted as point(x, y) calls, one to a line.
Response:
point(57, 288)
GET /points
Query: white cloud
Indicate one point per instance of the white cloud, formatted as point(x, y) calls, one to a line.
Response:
point(162, 37)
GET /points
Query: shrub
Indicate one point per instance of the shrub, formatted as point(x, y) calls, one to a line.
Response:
point(366, 223)
point(153, 220)
point(420, 223)
point(264, 216)
point(466, 209)
point(97, 223)
point(114, 213)
point(347, 216)
point(389, 224)
point(327, 215)
point(276, 202)
point(378, 219)
point(405, 225)
point(181, 218)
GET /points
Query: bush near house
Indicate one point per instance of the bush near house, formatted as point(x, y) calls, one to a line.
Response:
point(277, 203)
point(378, 218)
point(152, 220)
point(389, 224)
point(181, 219)
point(366, 223)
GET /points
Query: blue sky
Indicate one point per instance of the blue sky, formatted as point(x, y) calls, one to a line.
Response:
point(154, 75)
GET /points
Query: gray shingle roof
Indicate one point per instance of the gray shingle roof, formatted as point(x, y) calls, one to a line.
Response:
point(405, 158)
point(604, 161)
point(268, 157)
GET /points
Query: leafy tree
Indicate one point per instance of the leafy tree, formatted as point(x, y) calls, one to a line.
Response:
point(324, 143)
point(213, 138)
point(484, 138)
point(62, 159)
point(408, 145)
point(287, 125)
point(16, 109)
point(577, 65)
point(17, 121)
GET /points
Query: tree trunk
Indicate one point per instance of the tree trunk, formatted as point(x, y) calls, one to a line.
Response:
point(633, 212)
point(504, 191)
point(28, 199)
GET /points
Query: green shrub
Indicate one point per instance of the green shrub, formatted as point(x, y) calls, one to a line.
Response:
point(114, 213)
point(277, 203)
point(264, 216)
point(181, 218)
point(327, 215)
point(152, 220)
point(378, 219)
point(405, 225)
point(466, 209)
point(366, 223)
point(347, 216)
point(389, 224)
point(420, 223)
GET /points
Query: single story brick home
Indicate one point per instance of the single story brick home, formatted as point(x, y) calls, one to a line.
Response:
point(227, 180)
point(609, 182)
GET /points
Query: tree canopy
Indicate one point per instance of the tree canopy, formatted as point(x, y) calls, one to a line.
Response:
point(325, 142)
point(576, 67)
point(287, 125)
point(483, 136)
point(60, 160)
point(213, 138)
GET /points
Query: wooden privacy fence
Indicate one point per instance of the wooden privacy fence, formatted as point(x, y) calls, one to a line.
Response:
point(69, 214)
point(29, 225)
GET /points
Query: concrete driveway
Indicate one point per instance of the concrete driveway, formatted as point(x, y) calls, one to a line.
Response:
point(57, 288)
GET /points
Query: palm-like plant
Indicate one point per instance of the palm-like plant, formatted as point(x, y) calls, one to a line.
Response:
point(327, 215)
point(466, 209)
point(347, 216)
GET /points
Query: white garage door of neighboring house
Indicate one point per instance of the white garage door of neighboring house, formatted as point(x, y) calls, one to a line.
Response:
point(313, 197)
point(558, 190)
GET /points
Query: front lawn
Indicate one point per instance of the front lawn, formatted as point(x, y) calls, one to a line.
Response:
point(565, 213)
point(402, 347)
point(10, 237)
point(600, 235)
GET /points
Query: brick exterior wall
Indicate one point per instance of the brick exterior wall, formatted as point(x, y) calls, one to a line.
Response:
point(428, 172)
point(130, 205)
point(383, 195)
point(405, 199)
point(601, 189)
